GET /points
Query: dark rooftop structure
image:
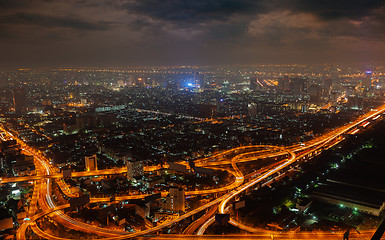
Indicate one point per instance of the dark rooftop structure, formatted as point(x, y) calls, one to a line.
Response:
point(360, 198)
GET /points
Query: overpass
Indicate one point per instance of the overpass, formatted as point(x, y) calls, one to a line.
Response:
point(297, 153)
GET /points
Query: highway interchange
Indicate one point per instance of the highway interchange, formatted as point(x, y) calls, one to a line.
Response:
point(46, 173)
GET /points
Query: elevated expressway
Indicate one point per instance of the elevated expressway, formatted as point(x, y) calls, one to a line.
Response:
point(48, 206)
point(121, 235)
point(310, 148)
point(296, 152)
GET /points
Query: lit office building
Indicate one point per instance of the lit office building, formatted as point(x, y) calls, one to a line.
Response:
point(134, 168)
point(175, 200)
point(19, 100)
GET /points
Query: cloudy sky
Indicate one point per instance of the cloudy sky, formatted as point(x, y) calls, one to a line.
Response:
point(190, 32)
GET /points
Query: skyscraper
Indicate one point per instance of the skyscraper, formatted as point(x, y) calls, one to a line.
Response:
point(19, 100)
point(199, 80)
point(327, 87)
point(283, 83)
point(225, 87)
point(315, 93)
point(298, 85)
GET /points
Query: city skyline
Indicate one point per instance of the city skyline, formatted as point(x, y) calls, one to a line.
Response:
point(204, 119)
point(267, 150)
point(110, 33)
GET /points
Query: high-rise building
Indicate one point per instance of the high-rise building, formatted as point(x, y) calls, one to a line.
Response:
point(91, 163)
point(367, 81)
point(208, 110)
point(199, 80)
point(327, 87)
point(19, 100)
point(175, 200)
point(254, 83)
point(283, 83)
point(225, 87)
point(334, 98)
point(134, 168)
point(298, 85)
point(315, 93)
point(355, 102)
point(253, 109)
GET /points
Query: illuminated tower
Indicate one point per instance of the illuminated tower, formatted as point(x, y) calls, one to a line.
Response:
point(198, 78)
point(19, 100)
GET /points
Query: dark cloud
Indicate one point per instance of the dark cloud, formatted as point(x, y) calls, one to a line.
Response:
point(190, 31)
point(187, 12)
point(335, 9)
point(12, 4)
point(6, 33)
point(53, 21)
point(85, 3)
point(139, 23)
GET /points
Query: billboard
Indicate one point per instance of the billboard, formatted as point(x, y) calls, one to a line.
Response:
point(121, 222)
point(239, 204)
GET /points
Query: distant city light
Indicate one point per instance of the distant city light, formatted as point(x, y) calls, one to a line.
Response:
point(183, 132)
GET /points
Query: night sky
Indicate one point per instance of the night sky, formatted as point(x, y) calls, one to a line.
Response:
point(190, 32)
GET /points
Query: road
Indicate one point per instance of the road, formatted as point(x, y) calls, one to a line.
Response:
point(197, 223)
point(314, 146)
point(297, 152)
point(111, 171)
point(268, 236)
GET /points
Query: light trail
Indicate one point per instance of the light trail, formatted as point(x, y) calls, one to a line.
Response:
point(255, 181)
point(314, 145)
